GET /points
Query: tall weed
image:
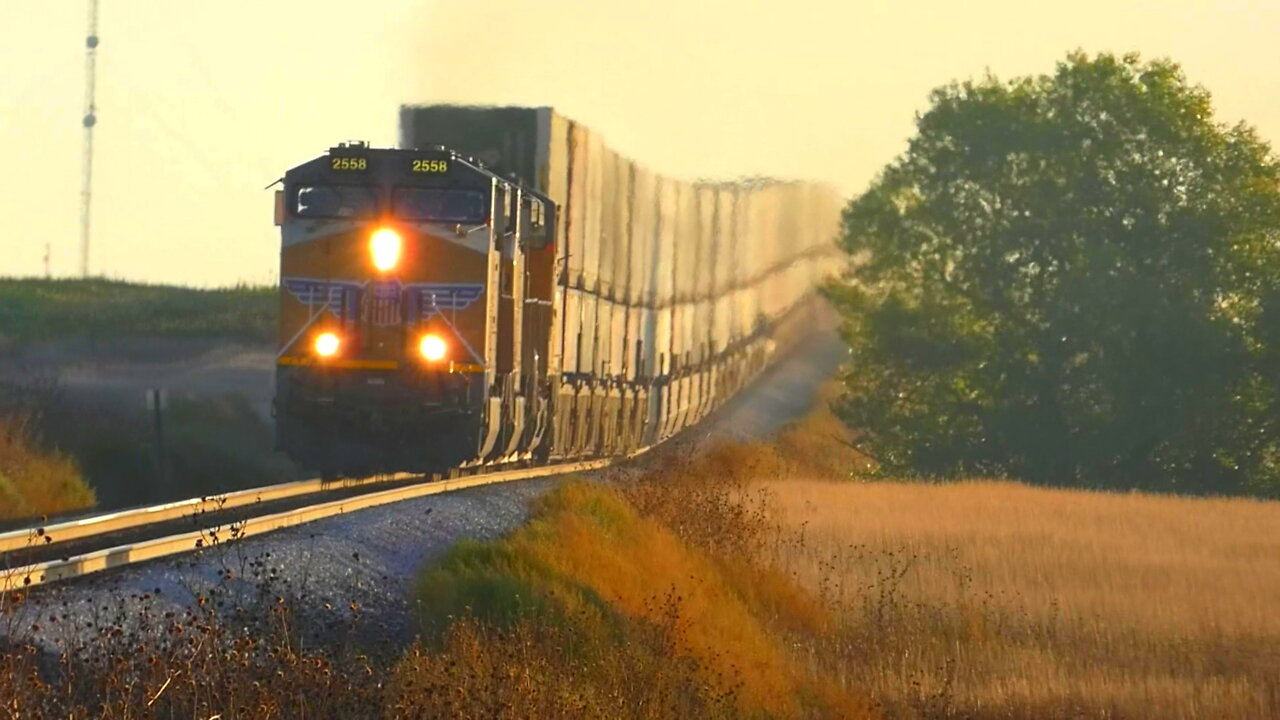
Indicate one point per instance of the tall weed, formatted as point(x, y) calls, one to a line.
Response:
point(237, 650)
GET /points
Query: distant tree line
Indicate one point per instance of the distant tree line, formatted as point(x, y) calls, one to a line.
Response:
point(1070, 279)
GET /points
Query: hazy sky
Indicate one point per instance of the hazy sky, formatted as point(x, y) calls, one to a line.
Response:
point(201, 104)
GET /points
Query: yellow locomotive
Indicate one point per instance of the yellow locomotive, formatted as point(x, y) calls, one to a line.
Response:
point(548, 300)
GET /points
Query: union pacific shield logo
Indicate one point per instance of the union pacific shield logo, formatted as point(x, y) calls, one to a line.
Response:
point(380, 303)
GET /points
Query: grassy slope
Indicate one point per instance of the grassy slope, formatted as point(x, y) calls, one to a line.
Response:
point(647, 598)
point(35, 481)
point(37, 309)
point(658, 626)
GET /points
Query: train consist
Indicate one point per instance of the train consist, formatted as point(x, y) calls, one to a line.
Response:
point(507, 289)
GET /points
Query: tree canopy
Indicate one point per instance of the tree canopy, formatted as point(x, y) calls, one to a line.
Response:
point(1071, 279)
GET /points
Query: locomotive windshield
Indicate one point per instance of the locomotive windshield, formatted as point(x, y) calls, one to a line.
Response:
point(336, 201)
point(441, 205)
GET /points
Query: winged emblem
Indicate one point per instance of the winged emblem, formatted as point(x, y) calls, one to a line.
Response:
point(314, 292)
point(379, 302)
point(432, 298)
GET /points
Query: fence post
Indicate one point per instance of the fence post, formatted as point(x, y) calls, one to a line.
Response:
point(157, 401)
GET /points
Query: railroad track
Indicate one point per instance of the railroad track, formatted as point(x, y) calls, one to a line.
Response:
point(83, 546)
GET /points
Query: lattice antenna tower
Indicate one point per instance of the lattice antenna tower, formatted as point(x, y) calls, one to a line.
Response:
point(90, 119)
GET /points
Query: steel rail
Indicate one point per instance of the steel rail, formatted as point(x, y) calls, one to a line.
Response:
point(103, 523)
point(55, 570)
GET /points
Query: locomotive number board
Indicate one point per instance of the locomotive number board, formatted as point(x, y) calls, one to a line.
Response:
point(432, 166)
point(348, 164)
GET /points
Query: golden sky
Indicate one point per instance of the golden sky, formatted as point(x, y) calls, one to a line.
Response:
point(201, 104)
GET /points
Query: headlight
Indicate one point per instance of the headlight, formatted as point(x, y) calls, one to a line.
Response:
point(384, 246)
point(327, 344)
point(432, 347)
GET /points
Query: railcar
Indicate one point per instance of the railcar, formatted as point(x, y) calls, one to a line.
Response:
point(522, 294)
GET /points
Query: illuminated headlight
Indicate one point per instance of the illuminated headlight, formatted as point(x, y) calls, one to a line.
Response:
point(432, 347)
point(327, 344)
point(384, 246)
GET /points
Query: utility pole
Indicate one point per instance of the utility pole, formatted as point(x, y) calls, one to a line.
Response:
point(90, 119)
point(48, 250)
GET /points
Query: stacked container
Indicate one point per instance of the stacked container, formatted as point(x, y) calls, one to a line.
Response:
point(668, 292)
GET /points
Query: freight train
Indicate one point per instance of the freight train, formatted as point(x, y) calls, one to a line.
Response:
point(506, 289)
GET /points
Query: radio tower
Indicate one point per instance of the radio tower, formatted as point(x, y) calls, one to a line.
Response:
point(90, 119)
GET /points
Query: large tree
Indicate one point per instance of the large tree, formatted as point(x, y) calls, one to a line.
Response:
point(1070, 278)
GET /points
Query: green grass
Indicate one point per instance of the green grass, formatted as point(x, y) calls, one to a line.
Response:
point(38, 309)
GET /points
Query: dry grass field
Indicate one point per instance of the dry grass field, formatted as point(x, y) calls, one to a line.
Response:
point(991, 599)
